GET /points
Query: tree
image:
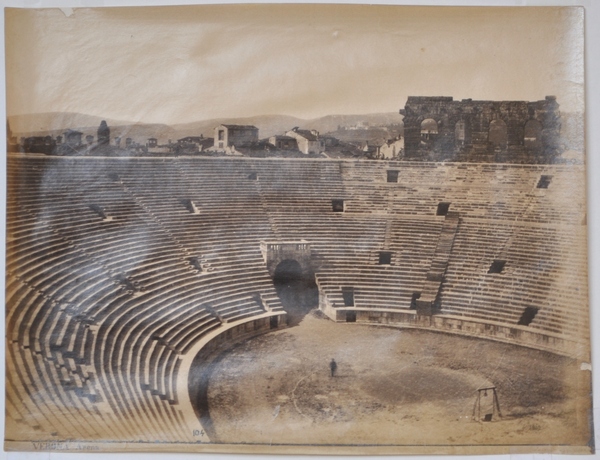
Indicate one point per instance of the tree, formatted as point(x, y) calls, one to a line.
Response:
point(103, 134)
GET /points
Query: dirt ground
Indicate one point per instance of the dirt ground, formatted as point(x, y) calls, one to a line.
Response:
point(392, 386)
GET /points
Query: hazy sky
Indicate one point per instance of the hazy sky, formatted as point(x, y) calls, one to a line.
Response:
point(179, 64)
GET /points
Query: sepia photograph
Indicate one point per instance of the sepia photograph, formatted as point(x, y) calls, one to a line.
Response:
point(328, 229)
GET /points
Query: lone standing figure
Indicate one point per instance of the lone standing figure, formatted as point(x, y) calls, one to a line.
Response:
point(333, 367)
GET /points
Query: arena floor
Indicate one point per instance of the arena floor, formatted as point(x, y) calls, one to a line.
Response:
point(393, 386)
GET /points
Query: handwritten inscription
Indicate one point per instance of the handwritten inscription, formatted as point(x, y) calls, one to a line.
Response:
point(63, 445)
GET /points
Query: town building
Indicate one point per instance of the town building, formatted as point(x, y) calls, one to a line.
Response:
point(38, 144)
point(308, 141)
point(392, 149)
point(73, 138)
point(190, 140)
point(329, 141)
point(372, 148)
point(235, 135)
point(283, 142)
point(193, 144)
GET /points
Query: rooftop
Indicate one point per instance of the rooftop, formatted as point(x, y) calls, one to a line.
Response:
point(306, 134)
point(239, 126)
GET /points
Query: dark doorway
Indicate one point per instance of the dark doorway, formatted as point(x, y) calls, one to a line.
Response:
point(273, 322)
point(385, 258)
point(497, 266)
point(337, 205)
point(413, 300)
point(544, 181)
point(98, 210)
point(351, 317)
point(297, 289)
point(442, 209)
point(195, 263)
point(392, 175)
point(527, 316)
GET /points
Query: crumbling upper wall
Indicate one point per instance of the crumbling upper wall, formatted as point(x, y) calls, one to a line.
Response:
point(467, 130)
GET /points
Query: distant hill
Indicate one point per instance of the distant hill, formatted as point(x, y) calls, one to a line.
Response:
point(331, 123)
point(359, 136)
point(42, 123)
point(269, 125)
point(55, 123)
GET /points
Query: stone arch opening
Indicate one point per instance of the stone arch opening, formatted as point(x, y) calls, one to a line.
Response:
point(460, 133)
point(429, 131)
point(532, 137)
point(498, 134)
point(296, 289)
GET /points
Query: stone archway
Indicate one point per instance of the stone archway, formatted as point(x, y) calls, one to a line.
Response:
point(296, 287)
point(498, 134)
point(289, 264)
point(460, 133)
point(429, 131)
point(532, 136)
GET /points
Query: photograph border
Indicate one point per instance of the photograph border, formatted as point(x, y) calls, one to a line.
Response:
point(592, 141)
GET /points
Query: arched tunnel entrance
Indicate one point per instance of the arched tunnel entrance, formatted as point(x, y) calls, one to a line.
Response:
point(296, 289)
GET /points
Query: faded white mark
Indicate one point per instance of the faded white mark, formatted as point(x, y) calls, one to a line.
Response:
point(293, 397)
point(68, 12)
point(276, 411)
point(586, 367)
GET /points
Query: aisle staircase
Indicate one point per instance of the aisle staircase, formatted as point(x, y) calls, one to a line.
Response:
point(428, 302)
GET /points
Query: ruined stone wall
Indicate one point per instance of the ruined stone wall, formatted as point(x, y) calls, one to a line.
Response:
point(482, 131)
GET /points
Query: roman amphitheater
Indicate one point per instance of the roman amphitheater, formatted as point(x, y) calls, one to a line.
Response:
point(181, 303)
